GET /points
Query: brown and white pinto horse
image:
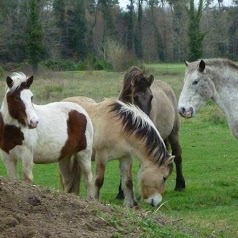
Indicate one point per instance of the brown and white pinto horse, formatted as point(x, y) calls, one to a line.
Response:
point(157, 99)
point(119, 131)
point(57, 132)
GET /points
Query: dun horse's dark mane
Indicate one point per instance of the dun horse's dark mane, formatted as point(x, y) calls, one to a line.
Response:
point(136, 124)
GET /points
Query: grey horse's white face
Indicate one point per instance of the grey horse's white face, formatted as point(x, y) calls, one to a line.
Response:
point(198, 88)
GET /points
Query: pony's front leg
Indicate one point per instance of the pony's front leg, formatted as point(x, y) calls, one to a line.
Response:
point(101, 160)
point(27, 166)
point(127, 181)
point(10, 164)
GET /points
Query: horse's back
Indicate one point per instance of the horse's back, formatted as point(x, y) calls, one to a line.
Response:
point(164, 108)
point(64, 128)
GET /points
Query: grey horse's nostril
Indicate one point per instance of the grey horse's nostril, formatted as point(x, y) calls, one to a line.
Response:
point(182, 110)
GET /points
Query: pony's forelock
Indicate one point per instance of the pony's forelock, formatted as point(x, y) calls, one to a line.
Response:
point(17, 78)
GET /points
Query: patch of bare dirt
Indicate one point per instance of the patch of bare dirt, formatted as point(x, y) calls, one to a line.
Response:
point(30, 211)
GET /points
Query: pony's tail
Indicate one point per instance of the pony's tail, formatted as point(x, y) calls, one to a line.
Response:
point(71, 181)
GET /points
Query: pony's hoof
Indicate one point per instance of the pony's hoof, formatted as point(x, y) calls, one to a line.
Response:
point(180, 186)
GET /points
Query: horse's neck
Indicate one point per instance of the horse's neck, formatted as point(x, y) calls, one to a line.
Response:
point(226, 97)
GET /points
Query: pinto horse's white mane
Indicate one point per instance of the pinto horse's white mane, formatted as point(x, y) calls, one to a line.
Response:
point(18, 78)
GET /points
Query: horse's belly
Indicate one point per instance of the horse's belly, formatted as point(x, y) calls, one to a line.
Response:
point(164, 122)
point(49, 153)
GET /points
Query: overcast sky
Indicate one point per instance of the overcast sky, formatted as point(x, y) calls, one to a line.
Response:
point(123, 3)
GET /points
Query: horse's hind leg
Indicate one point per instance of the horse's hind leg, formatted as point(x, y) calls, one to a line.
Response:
point(177, 151)
point(127, 181)
point(84, 160)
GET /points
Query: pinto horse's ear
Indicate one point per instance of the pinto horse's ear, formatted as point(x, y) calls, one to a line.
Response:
point(150, 79)
point(201, 66)
point(9, 82)
point(29, 81)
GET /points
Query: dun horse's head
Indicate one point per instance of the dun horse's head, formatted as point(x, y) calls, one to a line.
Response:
point(152, 179)
point(19, 100)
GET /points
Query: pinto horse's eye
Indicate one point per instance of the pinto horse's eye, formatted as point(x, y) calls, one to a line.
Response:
point(164, 178)
point(195, 82)
point(32, 98)
point(17, 98)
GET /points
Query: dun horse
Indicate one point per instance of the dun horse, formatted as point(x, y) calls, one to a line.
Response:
point(158, 101)
point(215, 79)
point(120, 130)
point(57, 132)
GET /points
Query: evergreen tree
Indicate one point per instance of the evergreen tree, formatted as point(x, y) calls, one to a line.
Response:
point(60, 18)
point(194, 33)
point(34, 36)
point(78, 31)
point(129, 16)
point(138, 33)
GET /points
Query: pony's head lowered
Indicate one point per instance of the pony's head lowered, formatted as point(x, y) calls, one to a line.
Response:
point(156, 163)
point(17, 105)
point(136, 89)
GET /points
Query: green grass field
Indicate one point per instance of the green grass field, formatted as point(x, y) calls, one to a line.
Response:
point(208, 206)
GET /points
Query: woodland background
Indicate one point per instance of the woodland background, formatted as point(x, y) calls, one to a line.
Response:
point(89, 34)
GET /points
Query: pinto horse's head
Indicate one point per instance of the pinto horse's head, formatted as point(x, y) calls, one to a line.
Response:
point(152, 179)
point(19, 100)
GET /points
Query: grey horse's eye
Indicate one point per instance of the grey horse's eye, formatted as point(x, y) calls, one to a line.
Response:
point(195, 82)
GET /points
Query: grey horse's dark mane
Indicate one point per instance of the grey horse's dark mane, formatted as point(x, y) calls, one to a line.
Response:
point(133, 122)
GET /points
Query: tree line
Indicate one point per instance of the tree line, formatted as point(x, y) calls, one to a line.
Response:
point(76, 34)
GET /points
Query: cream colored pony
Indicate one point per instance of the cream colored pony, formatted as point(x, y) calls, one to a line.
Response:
point(119, 131)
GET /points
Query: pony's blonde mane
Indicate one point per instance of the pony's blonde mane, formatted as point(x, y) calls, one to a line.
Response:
point(18, 78)
point(136, 122)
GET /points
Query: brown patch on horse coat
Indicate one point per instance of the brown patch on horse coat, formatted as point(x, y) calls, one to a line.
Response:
point(10, 136)
point(16, 107)
point(77, 123)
